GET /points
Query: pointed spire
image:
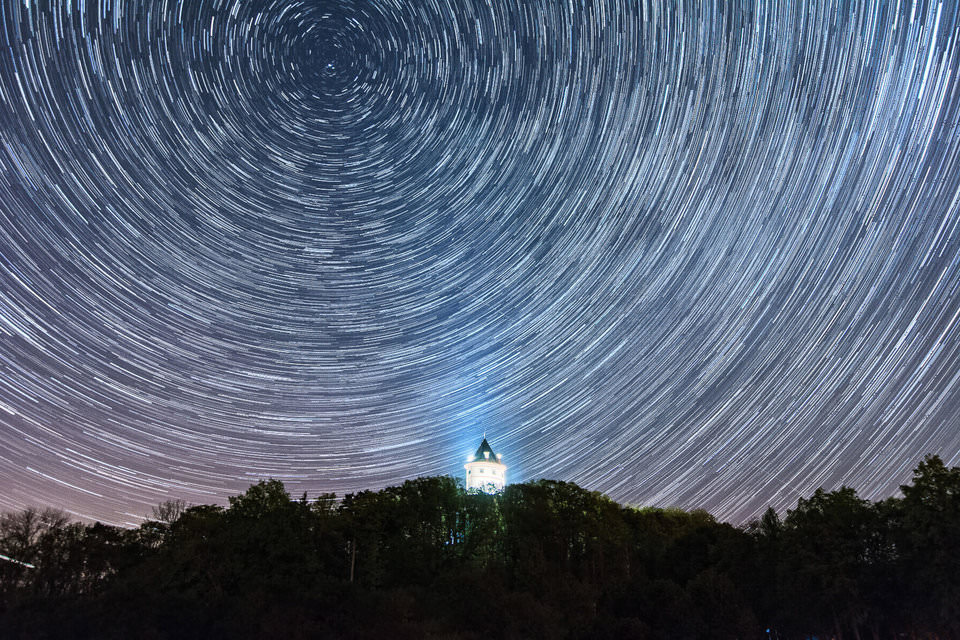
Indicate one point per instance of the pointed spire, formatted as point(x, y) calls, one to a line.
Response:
point(485, 452)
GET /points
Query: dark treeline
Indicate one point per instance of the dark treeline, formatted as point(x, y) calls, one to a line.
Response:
point(541, 560)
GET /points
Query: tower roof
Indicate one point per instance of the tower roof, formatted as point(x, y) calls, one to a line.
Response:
point(484, 448)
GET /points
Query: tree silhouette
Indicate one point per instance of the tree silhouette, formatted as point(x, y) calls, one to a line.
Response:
point(544, 559)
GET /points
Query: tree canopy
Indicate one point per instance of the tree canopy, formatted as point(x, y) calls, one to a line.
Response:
point(544, 559)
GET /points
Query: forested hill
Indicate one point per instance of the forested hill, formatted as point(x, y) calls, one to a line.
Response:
point(543, 559)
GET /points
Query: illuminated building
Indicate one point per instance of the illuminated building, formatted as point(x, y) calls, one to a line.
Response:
point(485, 470)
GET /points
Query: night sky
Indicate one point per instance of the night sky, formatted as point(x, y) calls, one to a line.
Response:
point(704, 256)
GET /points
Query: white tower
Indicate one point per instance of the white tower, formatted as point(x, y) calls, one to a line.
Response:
point(485, 470)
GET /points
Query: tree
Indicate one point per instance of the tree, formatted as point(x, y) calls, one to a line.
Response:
point(721, 608)
point(828, 543)
point(21, 533)
point(764, 570)
point(169, 511)
point(928, 539)
point(262, 499)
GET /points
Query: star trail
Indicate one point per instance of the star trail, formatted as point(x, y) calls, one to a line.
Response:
point(703, 255)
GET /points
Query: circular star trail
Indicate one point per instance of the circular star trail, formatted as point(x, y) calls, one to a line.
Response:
point(703, 255)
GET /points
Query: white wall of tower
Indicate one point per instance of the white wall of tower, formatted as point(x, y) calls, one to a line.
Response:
point(484, 474)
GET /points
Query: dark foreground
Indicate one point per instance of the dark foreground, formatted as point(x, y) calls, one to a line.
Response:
point(541, 560)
